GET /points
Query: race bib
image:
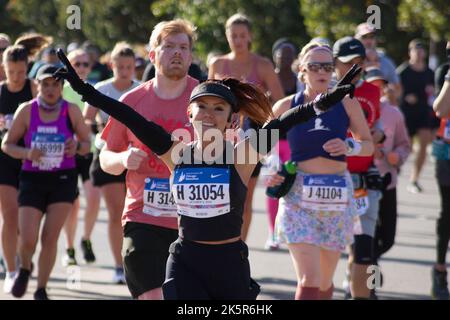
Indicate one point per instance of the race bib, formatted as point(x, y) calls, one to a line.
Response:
point(324, 193)
point(52, 144)
point(158, 200)
point(361, 201)
point(202, 192)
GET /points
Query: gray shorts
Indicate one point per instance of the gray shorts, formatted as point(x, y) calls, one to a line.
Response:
point(369, 219)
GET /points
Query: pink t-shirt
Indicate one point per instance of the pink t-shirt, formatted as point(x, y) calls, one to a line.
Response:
point(170, 114)
point(397, 140)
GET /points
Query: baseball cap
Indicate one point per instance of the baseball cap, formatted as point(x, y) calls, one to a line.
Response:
point(215, 89)
point(348, 48)
point(46, 71)
point(364, 28)
point(374, 73)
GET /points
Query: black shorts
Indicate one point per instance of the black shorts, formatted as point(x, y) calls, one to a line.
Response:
point(417, 118)
point(83, 164)
point(40, 189)
point(145, 251)
point(100, 177)
point(9, 170)
point(198, 271)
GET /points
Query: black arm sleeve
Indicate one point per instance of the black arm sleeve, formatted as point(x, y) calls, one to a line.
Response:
point(263, 143)
point(151, 134)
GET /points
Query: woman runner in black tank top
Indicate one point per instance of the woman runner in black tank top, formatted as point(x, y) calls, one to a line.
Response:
point(14, 91)
point(209, 260)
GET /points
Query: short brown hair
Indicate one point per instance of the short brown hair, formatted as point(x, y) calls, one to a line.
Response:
point(122, 49)
point(165, 28)
point(15, 53)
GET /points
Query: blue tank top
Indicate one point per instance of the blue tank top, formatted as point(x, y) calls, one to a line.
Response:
point(306, 139)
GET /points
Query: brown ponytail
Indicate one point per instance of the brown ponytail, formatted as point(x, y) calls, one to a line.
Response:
point(33, 42)
point(251, 100)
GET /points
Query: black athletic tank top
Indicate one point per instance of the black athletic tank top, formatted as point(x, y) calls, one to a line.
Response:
point(210, 200)
point(10, 101)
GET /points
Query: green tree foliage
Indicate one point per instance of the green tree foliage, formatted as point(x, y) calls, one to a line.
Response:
point(103, 22)
point(430, 16)
point(271, 19)
point(39, 16)
point(334, 19)
point(8, 18)
point(106, 22)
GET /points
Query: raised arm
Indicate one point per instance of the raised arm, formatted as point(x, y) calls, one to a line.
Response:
point(151, 134)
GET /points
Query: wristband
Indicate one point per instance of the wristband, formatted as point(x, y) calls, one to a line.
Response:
point(353, 147)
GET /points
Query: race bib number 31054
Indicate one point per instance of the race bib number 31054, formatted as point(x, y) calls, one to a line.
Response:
point(202, 192)
point(324, 192)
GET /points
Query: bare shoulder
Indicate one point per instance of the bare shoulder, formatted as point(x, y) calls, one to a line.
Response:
point(24, 108)
point(282, 105)
point(73, 108)
point(218, 61)
point(23, 112)
point(264, 64)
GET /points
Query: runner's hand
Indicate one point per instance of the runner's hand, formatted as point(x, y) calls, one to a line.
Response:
point(34, 154)
point(70, 147)
point(68, 73)
point(132, 158)
point(335, 147)
point(324, 101)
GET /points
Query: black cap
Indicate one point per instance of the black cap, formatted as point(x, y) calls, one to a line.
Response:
point(215, 89)
point(46, 71)
point(348, 48)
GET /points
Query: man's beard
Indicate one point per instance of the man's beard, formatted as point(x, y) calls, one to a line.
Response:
point(174, 73)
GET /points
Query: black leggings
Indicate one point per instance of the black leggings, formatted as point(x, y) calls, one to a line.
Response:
point(209, 272)
point(387, 223)
point(443, 224)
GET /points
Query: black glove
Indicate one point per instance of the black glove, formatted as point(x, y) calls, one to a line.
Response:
point(348, 77)
point(324, 101)
point(68, 73)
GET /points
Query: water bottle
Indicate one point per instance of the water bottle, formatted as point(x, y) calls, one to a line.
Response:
point(289, 172)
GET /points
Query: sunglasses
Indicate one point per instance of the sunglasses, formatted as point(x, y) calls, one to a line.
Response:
point(79, 64)
point(316, 66)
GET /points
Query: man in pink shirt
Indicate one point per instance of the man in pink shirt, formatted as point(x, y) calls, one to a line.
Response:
point(150, 217)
